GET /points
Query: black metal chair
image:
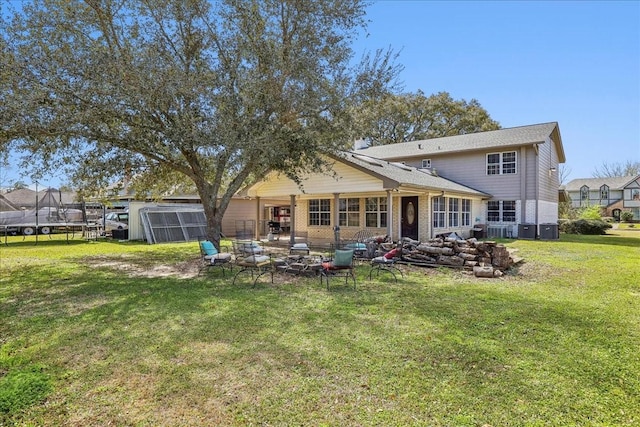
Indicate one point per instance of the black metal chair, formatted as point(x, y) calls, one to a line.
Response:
point(249, 257)
point(341, 265)
point(212, 258)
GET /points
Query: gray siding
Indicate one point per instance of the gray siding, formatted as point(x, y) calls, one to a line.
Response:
point(548, 179)
point(470, 169)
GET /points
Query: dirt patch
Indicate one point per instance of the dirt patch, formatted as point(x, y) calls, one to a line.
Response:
point(182, 270)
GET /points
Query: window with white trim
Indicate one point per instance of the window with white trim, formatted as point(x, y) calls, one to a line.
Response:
point(584, 195)
point(501, 163)
point(604, 192)
point(426, 163)
point(349, 212)
point(501, 211)
point(454, 212)
point(375, 212)
point(320, 212)
point(439, 212)
point(465, 217)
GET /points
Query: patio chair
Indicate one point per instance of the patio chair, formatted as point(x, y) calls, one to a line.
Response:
point(257, 265)
point(250, 258)
point(299, 249)
point(340, 266)
point(212, 258)
point(387, 262)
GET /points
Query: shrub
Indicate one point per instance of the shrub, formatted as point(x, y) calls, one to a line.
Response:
point(626, 216)
point(591, 212)
point(585, 226)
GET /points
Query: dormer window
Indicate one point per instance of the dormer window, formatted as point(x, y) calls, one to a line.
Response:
point(604, 192)
point(426, 164)
point(584, 195)
point(501, 163)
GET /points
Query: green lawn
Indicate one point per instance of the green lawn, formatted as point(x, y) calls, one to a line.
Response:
point(95, 334)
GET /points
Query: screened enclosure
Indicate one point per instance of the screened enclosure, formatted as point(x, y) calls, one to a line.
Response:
point(163, 224)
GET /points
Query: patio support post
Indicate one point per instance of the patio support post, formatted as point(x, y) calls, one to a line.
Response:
point(256, 231)
point(389, 215)
point(292, 219)
point(336, 218)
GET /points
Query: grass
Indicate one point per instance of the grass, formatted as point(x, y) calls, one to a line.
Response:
point(126, 334)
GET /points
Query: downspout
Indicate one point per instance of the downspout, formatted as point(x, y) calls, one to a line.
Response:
point(523, 185)
point(537, 186)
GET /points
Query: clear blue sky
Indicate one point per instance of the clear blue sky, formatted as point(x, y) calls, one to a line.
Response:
point(575, 62)
point(526, 62)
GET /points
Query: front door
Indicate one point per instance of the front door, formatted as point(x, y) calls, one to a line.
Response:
point(410, 217)
point(616, 215)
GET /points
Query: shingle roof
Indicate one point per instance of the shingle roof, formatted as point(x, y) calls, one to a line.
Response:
point(502, 138)
point(25, 197)
point(405, 175)
point(614, 183)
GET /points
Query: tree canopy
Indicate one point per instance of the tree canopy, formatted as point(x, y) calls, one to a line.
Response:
point(219, 93)
point(413, 116)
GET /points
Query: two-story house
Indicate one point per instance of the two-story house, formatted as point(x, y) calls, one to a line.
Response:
point(613, 194)
point(498, 180)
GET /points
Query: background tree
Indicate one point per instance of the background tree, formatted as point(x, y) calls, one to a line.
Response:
point(413, 116)
point(610, 170)
point(563, 172)
point(218, 92)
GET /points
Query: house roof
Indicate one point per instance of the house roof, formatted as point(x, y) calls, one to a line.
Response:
point(496, 139)
point(25, 197)
point(614, 183)
point(6, 205)
point(399, 174)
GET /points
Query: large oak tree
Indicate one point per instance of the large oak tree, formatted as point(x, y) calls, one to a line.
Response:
point(413, 116)
point(216, 92)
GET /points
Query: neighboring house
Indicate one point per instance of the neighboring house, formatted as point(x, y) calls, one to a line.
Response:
point(25, 198)
point(614, 195)
point(493, 180)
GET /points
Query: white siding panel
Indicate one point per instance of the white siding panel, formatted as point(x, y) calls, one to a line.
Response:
point(547, 212)
point(530, 212)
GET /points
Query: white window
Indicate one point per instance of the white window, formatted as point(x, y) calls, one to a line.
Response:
point(501, 163)
point(426, 163)
point(454, 212)
point(604, 192)
point(349, 213)
point(376, 212)
point(320, 212)
point(439, 212)
point(466, 213)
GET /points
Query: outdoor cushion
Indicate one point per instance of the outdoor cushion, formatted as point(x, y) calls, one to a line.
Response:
point(358, 246)
point(208, 248)
point(391, 254)
point(220, 257)
point(255, 260)
point(252, 248)
point(343, 258)
point(300, 246)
